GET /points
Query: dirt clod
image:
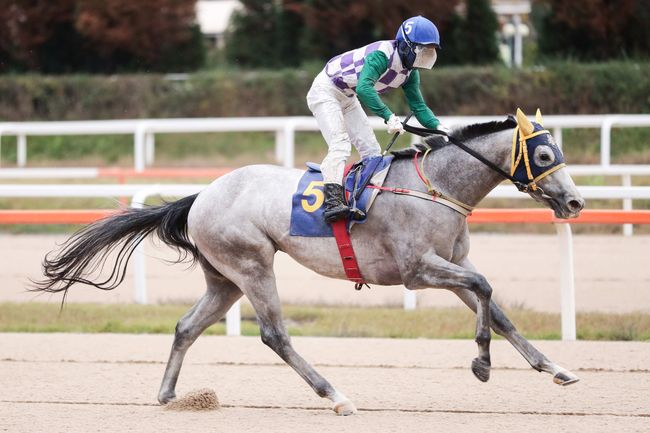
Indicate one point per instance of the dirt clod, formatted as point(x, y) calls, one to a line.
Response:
point(202, 399)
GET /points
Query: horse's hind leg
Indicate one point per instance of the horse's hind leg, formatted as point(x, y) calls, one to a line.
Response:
point(274, 335)
point(502, 326)
point(250, 265)
point(213, 305)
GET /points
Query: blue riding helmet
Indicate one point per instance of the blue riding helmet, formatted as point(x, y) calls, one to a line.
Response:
point(415, 31)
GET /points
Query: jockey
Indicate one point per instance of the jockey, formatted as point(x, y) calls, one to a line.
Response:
point(360, 75)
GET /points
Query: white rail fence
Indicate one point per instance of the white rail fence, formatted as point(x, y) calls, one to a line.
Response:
point(141, 192)
point(145, 130)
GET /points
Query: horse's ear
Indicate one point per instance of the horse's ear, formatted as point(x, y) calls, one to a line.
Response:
point(538, 117)
point(525, 125)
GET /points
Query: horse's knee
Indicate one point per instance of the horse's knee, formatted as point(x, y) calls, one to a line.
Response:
point(277, 341)
point(481, 287)
point(182, 336)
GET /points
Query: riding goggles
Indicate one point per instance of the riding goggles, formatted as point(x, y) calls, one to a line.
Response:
point(425, 56)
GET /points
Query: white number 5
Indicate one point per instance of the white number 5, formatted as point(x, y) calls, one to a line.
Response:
point(408, 27)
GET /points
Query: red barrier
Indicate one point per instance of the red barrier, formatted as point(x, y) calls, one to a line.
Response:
point(484, 216)
point(126, 173)
point(53, 216)
point(536, 216)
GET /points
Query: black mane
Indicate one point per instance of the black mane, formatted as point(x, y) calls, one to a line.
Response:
point(435, 142)
point(480, 129)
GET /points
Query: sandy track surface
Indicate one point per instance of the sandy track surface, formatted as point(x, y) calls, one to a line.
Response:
point(80, 383)
point(612, 275)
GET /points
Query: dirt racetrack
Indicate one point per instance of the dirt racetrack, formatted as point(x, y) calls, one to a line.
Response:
point(108, 383)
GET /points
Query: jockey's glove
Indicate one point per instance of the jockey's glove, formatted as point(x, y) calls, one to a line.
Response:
point(394, 125)
point(445, 130)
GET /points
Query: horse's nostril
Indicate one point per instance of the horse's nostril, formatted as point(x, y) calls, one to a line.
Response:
point(575, 205)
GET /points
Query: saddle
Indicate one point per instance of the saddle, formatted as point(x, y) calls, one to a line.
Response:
point(307, 202)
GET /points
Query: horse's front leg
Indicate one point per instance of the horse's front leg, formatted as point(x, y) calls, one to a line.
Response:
point(433, 271)
point(502, 326)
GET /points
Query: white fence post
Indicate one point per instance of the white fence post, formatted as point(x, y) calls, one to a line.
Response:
point(567, 282)
point(139, 144)
point(606, 140)
point(279, 146)
point(410, 299)
point(21, 150)
point(139, 258)
point(233, 320)
point(150, 147)
point(628, 229)
point(557, 135)
point(289, 144)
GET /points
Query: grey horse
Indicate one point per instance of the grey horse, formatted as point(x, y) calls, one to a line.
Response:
point(241, 220)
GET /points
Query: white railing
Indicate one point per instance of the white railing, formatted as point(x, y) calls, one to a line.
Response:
point(140, 193)
point(144, 130)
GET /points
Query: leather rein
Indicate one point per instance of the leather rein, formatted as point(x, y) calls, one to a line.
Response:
point(436, 196)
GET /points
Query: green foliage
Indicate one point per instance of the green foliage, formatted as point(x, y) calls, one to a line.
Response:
point(559, 88)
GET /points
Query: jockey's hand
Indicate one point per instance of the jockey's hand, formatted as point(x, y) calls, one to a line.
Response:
point(395, 125)
point(443, 128)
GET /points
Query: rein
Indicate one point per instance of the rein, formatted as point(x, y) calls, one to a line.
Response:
point(425, 132)
point(522, 155)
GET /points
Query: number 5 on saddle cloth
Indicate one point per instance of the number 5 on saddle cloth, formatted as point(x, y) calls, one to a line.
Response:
point(307, 202)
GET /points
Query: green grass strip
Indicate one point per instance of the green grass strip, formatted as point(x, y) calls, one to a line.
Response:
point(316, 321)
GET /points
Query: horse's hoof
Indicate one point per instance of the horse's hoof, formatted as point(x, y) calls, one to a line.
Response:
point(344, 408)
point(164, 398)
point(481, 369)
point(565, 378)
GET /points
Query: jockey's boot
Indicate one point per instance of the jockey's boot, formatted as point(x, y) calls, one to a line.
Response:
point(335, 207)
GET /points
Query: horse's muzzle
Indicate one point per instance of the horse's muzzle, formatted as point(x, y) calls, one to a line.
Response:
point(567, 207)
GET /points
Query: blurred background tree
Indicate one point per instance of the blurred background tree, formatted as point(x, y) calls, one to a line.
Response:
point(319, 29)
point(593, 29)
point(100, 36)
point(264, 34)
point(477, 42)
point(108, 36)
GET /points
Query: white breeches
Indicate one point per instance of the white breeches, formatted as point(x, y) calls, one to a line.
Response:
point(342, 121)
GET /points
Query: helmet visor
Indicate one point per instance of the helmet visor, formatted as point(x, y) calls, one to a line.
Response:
point(425, 56)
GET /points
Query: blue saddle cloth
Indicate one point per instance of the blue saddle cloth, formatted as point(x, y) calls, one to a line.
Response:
point(308, 201)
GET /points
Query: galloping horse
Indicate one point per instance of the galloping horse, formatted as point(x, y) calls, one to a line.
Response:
point(242, 219)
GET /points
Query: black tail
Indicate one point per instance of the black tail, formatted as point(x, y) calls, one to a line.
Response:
point(84, 254)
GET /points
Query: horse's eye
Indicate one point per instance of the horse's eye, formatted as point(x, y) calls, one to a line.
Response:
point(544, 156)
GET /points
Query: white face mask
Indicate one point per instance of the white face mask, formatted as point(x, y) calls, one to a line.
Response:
point(425, 57)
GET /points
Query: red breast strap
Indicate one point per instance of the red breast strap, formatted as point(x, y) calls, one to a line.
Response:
point(348, 258)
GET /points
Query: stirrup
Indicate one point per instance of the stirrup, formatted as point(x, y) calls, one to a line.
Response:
point(336, 215)
point(357, 214)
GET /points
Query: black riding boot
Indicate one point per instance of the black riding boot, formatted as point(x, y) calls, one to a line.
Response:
point(335, 207)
